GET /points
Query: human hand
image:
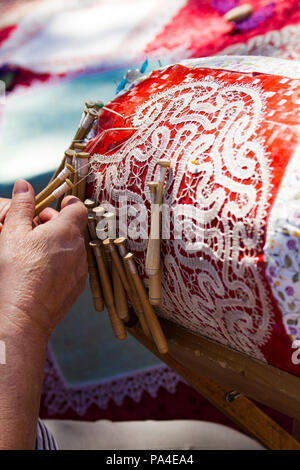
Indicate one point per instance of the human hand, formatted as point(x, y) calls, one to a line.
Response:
point(43, 269)
point(4, 206)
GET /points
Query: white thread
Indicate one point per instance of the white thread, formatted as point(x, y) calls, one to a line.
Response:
point(61, 190)
point(65, 172)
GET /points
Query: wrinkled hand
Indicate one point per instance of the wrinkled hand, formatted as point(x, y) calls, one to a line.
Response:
point(43, 269)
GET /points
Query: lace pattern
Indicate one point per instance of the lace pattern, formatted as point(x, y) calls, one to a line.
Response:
point(284, 43)
point(220, 182)
point(59, 397)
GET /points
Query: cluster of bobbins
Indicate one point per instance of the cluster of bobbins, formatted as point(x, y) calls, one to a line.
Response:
point(113, 275)
point(114, 279)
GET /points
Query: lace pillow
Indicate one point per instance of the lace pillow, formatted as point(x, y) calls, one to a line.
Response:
point(231, 128)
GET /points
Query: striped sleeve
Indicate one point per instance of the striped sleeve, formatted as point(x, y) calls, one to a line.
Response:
point(44, 438)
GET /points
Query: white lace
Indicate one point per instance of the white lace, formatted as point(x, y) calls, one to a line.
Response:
point(60, 397)
point(284, 43)
point(208, 129)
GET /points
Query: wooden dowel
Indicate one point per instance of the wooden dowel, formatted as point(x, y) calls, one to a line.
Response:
point(92, 226)
point(93, 276)
point(152, 320)
point(120, 243)
point(117, 262)
point(119, 295)
point(153, 249)
point(155, 290)
point(83, 169)
point(116, 322)
point(86, 124)
point(61, 177)
point(57, 193)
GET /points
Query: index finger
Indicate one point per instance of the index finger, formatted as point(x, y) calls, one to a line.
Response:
point(73, 211)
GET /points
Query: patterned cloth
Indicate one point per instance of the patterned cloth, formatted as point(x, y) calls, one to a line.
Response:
point(229, 127)
point(44, 438)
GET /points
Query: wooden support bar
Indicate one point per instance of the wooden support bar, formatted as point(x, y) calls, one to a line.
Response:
point(242, 411)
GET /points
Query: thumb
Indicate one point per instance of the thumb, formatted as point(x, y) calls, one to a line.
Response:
point(21, 211)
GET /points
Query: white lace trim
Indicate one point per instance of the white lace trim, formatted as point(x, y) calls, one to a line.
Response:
point(208, 129)
point(59, 397)
point(284, 43)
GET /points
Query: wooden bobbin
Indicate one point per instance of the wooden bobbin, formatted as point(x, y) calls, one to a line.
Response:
point(119, 292)
point(82, 171)
point(86, 124)
point(79, 147)
point(98, 212)
point(93, 276)
point(120, 243)
point(153, 249)
point(89, 204)
point(116, 322)
point(57, 193)
point(155, 289)
point(239, 13)
point(61, 177)
point(152, 320)
point(110, 219)
point(92, 226)
point(68, 158)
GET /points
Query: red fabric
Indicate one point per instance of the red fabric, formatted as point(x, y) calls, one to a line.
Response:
point(280, 146)
point(6, 32)
point(208, 32)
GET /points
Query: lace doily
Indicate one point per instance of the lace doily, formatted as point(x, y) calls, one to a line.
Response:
point(59, 397)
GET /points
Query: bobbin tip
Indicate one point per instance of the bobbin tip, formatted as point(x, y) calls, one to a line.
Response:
point(91, 217)
point(128, 257)
point(70, 153)
point(107, 242)
point(69, 183)
point(109, 215)
point(79, 146)
point(90, 103)
point(99, 210)
point(89, 203)
point(119, 241)
point(70, 167)
point(83, 155)
point(94, 243)
point(163, 162)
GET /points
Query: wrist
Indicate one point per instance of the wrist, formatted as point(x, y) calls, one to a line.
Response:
point(19, 325)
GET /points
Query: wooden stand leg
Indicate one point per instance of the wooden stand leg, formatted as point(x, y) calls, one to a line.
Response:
point(296, 429)
point(242, 411)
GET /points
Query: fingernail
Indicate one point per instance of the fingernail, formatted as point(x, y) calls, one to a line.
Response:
point(20, 186)
point(72, 201)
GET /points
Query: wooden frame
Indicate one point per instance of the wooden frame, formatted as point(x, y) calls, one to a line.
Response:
point(215, 370)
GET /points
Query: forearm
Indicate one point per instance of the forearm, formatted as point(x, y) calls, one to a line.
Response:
point(20, 384)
